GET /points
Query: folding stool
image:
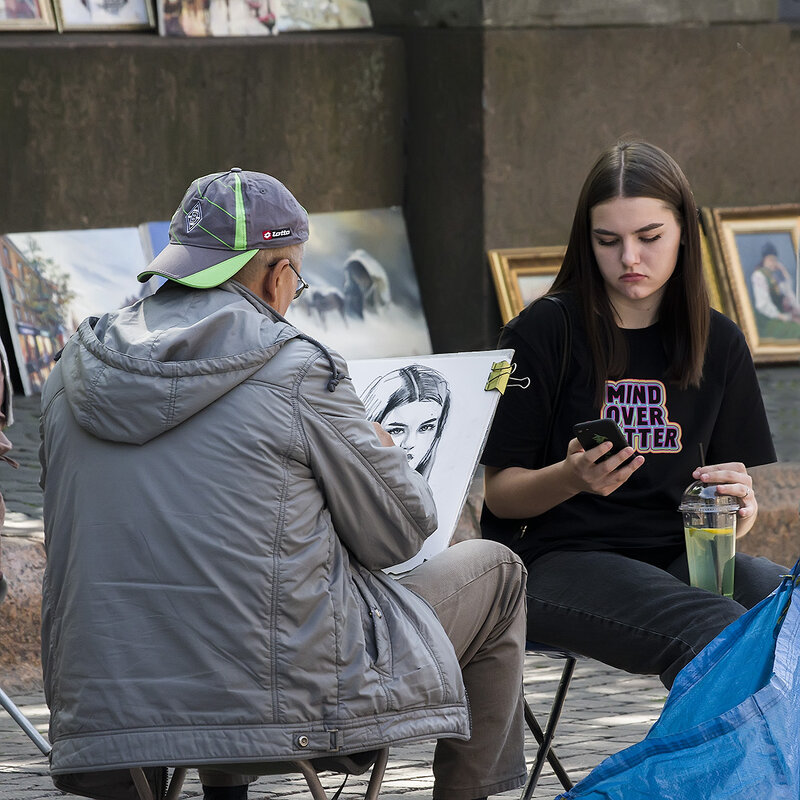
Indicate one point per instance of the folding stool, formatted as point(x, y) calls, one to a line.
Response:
point(310, 769)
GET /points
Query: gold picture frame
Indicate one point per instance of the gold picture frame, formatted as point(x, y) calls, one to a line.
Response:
point(757, 248)
point(523, 274)
point(718, 292)
point(27, 15)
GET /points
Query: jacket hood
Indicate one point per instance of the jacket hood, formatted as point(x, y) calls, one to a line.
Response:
point(135, 373)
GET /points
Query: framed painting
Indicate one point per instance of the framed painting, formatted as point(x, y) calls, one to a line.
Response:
point(51, 281)
point(438, 410)
point(96, 15)
point(26, 15)
point(718, 290)
point(759, 251)
point(522, 275)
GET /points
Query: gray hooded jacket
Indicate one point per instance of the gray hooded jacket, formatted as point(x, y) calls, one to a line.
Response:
point(217, 513)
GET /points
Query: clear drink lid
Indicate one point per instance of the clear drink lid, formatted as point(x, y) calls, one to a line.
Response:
point(703, 497)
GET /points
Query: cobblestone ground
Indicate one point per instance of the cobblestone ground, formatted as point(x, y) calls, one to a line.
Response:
point(606, 711)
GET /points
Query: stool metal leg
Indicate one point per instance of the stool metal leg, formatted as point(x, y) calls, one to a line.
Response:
point(312, 779)
point(24, 723)
point(552, 758)
point(140, 782)
point(376, 776)
point(549, 733)
point(174, 790)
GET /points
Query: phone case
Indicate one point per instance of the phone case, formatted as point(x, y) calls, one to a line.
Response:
point(596, 431)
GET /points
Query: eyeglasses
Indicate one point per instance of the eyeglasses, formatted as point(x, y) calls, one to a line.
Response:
point(301, 284)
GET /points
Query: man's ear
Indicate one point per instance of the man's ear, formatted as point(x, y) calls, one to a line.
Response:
point(269, 284)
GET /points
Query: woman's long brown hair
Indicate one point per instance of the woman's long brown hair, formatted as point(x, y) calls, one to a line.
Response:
point(639, 169)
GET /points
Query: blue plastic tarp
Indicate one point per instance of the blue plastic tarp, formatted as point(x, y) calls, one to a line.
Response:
point(730, 727)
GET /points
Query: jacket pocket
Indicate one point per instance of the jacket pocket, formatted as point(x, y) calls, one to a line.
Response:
point(376, 633)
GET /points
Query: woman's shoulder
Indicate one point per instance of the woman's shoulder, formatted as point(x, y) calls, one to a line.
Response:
point(726, 341)
point(724, 329)
point(543, 314)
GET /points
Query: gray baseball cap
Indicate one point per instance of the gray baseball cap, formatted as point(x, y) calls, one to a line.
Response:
point(223, 220)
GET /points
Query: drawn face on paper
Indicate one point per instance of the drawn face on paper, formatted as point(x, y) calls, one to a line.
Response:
point(411, 404)
point(413, 427)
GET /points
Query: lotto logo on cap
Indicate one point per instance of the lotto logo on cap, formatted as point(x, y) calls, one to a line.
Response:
point(280, 233)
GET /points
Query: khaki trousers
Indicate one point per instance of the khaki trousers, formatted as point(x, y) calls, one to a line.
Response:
point(477, 589)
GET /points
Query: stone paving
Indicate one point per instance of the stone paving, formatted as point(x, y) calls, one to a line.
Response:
point(606, 710)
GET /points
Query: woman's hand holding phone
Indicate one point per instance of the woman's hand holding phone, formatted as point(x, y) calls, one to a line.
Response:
point(600, 457)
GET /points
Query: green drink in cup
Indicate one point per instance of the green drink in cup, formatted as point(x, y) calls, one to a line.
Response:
point(709, 524)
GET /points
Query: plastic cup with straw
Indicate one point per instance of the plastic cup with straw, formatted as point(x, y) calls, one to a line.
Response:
point(709, 525)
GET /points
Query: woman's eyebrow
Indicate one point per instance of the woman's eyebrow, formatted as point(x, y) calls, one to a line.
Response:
point(652, 226)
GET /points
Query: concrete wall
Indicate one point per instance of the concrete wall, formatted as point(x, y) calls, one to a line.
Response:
point(525, 13)
point(722, 100)
point(104, 130)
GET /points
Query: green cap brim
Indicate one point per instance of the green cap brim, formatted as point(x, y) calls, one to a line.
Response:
point(177, 262)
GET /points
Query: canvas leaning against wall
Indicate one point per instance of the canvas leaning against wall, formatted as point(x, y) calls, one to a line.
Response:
point(52, 280)
point(258, 17)
point(438, 410)
point(363, 299)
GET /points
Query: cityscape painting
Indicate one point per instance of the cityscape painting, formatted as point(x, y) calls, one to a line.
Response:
point(51, 281)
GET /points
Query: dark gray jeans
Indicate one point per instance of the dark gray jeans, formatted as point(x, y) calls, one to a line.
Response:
point(633, 615)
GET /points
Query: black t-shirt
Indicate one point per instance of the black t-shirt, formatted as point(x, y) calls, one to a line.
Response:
point(662, 422)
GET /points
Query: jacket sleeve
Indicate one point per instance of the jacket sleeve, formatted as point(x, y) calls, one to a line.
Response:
point(382, 510)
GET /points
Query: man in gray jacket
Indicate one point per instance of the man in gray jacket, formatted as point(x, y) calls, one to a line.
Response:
point(217, 514)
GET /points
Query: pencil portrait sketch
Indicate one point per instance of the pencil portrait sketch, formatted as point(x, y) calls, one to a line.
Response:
point(412, 404)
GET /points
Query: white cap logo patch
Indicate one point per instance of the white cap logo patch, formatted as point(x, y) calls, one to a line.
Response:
point(276, 234)
point(193, 217)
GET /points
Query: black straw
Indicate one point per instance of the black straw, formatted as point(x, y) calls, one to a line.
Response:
point(702, 454)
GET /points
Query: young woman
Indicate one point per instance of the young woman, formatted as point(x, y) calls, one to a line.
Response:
point(411, 403)
point(603, 540)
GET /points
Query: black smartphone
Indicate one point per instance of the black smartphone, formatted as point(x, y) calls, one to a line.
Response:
point(596, 431)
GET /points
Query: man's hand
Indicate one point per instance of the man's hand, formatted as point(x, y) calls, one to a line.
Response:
point(383, 437)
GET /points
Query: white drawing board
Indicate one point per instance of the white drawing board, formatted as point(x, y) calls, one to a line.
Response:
point(439, 410)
